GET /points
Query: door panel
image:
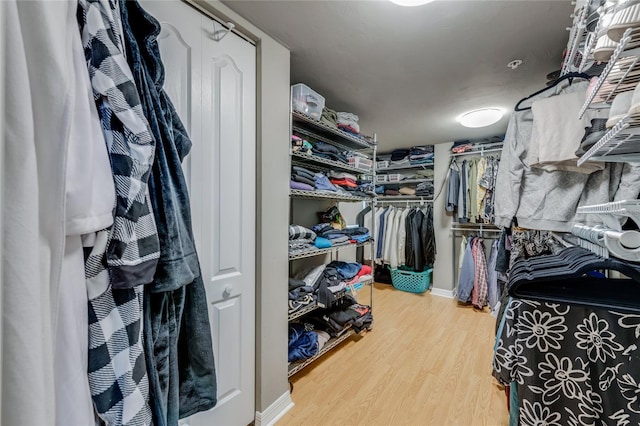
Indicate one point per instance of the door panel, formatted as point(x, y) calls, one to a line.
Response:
point(227, 80)
point(182, 64)
point(228, 129)
point(212, 85)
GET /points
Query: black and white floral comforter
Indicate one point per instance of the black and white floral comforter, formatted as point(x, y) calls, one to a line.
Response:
point(573, 365)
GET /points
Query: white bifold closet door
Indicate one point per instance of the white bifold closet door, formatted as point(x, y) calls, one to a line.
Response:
point(212, 84)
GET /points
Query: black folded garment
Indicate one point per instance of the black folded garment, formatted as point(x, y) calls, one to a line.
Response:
point(392, 186)
point(399, 154)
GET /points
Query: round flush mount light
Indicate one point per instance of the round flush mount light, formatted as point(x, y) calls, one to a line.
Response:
point(480, 117)
point(411, 2)
point(514, 64)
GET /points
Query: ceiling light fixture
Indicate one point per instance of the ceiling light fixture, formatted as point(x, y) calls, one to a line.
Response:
point(480, 117)
point(514, 64)
point(411, 2)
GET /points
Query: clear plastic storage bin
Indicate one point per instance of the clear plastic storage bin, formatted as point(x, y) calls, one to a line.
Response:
point(361, 163)
point(307, 101)
point(382, 165)
point(395, 177)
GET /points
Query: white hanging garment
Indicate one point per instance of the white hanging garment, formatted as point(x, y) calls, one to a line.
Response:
point(90, 197)
point(39, 96)
point(393, 250)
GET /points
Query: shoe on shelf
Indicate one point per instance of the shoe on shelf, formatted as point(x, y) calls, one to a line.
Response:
point(619, 108)
point(592, 21)
point(604, 48)
point(628, 17)
point(592, 135)
point(634, 108)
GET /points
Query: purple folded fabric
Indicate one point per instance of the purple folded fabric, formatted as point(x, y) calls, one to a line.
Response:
point(301, 186)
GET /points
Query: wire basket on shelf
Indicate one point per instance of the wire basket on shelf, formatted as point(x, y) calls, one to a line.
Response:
point(414, 282)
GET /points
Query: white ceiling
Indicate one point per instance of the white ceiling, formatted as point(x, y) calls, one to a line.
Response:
point(408, 72)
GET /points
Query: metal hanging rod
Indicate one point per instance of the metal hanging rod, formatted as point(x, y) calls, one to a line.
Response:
point(478, 230)
point(407, 202)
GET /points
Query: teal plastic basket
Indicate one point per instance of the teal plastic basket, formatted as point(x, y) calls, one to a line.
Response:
point(413, 282)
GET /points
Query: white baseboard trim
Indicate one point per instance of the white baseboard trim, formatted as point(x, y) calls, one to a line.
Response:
point(275, 411)
point(442, 292)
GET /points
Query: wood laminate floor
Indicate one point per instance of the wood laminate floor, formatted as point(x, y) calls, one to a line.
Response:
point(427, 361)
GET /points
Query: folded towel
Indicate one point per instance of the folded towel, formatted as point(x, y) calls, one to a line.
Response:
point(329, 117)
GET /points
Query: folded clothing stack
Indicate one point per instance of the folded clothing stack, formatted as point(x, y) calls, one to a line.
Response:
point(461, 146)
point(336, 236)
point(467, 145)
point(423, 174)
point(329, 117)
point(323, 183)
point(346, 314)
point(366, 188)
point(407, 190)
point(301, 238)
point(325, 150)
point(400, 154)
point(421, 154)
point(300, 145)
point(425, 189)
point(348, 122)
point(358, 234)
point(345, 180)
point(303, 179)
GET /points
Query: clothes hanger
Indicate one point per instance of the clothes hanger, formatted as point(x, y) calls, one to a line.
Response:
point(569, 76)
point(563, 263)
point(578, 267)
point(572, 286)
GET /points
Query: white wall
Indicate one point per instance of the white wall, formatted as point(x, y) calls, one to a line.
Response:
point(272, 199)
point(442, 270)
point(1, 184)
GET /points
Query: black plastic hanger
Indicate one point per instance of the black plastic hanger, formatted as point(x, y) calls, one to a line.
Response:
point(570, 285)
point(570, 76)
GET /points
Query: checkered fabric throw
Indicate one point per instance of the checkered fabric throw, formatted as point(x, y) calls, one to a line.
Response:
point(297, 232)
point(117, 368)
point(133, 249)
